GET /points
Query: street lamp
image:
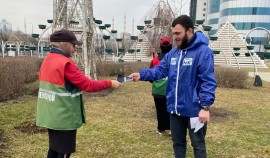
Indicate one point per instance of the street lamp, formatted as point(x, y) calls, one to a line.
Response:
point(38, 36)
point(257, 81)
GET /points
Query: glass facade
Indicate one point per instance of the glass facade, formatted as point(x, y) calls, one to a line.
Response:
point(255, 14)
point(245, 11)
point(225, 0)
point(213, 21)
point(259, 40)
point(212, 32)
point(214, 6)
point(192, 12)
point(250, 25)
point(244, 15)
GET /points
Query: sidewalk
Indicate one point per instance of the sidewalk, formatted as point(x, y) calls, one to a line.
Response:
point(264, 75)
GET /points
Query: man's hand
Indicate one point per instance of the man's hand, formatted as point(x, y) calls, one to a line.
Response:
point(115, 84)
point(135, 76)
point(204, 116)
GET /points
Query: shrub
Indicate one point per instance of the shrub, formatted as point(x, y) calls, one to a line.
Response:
point(15, 72)
point(231, 77)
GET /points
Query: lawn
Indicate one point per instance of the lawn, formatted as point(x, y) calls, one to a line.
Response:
point(122, 125)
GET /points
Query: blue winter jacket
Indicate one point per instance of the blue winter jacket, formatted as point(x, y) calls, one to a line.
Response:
point(191, 80)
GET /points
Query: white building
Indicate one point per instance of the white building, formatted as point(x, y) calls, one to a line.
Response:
point(244, 15)
point(198, 9)
point(5, 26)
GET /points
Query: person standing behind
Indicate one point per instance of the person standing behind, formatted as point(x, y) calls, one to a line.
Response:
point(60, 106)
point(159, 88)
point(190, 87)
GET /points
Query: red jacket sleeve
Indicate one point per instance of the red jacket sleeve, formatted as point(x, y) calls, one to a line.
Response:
point(78, 79)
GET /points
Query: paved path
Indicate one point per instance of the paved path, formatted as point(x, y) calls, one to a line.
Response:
point(264, 75)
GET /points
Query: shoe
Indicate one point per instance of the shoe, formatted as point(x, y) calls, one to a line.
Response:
point(160, 132)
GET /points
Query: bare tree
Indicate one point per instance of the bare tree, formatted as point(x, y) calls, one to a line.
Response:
point(179, 7)
point(161, 17)
point(20, 36)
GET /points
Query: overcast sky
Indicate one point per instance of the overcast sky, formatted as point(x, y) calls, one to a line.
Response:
point(36, 12)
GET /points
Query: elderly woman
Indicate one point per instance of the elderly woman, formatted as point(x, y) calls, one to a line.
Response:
point(60, 105)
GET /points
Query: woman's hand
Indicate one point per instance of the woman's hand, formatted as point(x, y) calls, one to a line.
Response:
point(115, 84)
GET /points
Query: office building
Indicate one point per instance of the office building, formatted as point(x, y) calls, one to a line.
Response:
point(5, 26)
point(198, 9)
point(244, 15)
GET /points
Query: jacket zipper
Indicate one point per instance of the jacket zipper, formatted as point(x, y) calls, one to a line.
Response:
point(176, 87)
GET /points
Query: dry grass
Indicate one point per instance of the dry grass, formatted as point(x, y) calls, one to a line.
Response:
point(122, 125)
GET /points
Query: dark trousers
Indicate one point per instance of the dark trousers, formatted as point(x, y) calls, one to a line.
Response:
point(163, 117)
point(61, 143)
point(179, 126)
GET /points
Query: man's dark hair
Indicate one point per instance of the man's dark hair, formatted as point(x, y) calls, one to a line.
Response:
point(183, 20)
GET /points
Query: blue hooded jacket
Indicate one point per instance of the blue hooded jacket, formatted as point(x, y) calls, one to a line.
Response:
point(191, 80)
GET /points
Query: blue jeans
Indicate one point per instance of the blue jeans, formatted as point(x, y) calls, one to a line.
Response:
point(179, 126)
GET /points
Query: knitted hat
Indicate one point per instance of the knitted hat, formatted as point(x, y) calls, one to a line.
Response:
point(165, 41)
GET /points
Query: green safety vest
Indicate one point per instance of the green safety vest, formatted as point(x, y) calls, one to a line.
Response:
point(58, 108)
point(158, 86)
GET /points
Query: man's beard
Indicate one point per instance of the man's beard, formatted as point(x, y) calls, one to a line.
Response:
point(184, 43)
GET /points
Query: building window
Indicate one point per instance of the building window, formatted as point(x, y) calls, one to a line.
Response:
point(213, 21)
point(246, 11)
point(204, 9)
point(212, 32)
point(213, 6)
point(204, 3)
point(203, 14)
point(250, 25)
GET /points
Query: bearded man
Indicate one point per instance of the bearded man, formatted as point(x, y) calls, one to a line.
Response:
point(190, 88)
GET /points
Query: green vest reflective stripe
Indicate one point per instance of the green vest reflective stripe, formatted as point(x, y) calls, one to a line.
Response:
point(48, 92)
point(58, 108)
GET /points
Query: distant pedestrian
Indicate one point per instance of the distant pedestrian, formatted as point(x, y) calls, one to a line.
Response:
point(159, 88)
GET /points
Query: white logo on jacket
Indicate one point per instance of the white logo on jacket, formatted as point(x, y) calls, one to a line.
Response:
point(173, 61)
point(187, 62)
